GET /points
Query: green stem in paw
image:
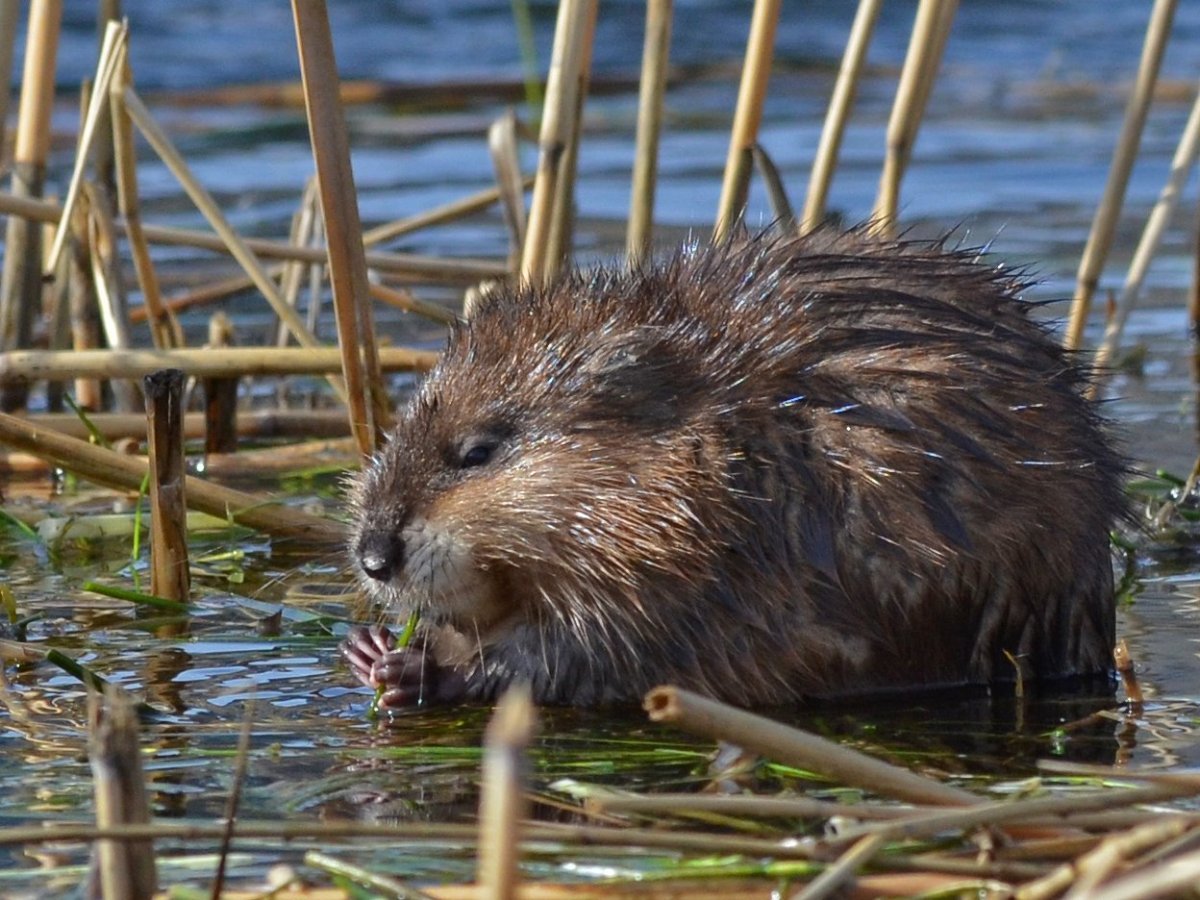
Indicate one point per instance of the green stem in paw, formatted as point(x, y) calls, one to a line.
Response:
point(402, 641)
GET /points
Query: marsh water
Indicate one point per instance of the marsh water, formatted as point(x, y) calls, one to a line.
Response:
point(1013, 154)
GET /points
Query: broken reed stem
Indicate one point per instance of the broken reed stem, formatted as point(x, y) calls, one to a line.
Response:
point(343, 231)
point(115, 36)
point(840, 104)
point(21, 278)
point(562, 224)
point(230, 362)
point(118, 470)
point(1156, 223)
point(562, 82)
point(220, 395)
point(931, 27)
point(169, 576)
point(1104, 224)
point(124, 868)
point(405, 301)
point(505, 151)
point(303, 233)
point(781, 208)
point(401, 266)
point(756, 72)
point(719, 721)
point(656, 51)
point(503, 802)
point(163, 331)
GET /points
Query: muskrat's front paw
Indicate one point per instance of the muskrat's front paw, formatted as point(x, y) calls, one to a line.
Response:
point(408, 676)
point(365, 646)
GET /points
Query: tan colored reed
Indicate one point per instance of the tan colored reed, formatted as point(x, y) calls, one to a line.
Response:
point(118, 470)
point(562, 217)
point(115, 36)
point(53, 365)
point(163, 331)
point(1182, 165)
point(930, 30)
point(406, 266)
point(656, 51)
point(438, 215)
point(560, 108)
point(124, 869)
point(169, 574)
point(719, 721)
point(20, 280)
point(407, 302)
point(1104, 224)
point(505, 151)
point(368, 406)
point(266, 423)
point(503, 803)
point(840, 104)
point(756, 72)
point(8, 41)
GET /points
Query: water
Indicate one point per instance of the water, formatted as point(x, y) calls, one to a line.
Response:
point(1014, 153)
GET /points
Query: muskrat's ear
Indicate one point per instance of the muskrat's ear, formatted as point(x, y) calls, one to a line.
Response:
point(635, 377)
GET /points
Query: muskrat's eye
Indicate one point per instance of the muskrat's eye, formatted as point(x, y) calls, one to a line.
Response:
point(476, 455)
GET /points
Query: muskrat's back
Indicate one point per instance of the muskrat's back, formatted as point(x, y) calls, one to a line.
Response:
point(768, 470)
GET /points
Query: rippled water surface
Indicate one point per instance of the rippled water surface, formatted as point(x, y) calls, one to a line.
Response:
point(1014, 154)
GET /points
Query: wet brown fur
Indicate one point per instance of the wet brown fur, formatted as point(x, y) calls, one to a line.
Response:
point(767, 471)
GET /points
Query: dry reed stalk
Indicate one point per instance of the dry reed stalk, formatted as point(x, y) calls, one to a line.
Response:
point(220, 395)
point(21, 278)
point(781, 208)
point(230, 362)
point(302, 233)
point(1104, 224)
point(122, 868)
point(169, 574)
point(930, 30)
point(115, 36)
point(118, 470)
point(504, 149)
point(1193, 307)
point(209, 293)
point(1093, 866)
point(719, 721)
point(1156, 223)
point(656, 51)
point(836, 876)
point(258, 424)
point(164, 332)
point(368, 407)
point(560, 106)
point(747, 116)
point(204, 202)
point(740, 805)
point(405, 301)
point(1039, 810)
point(840, 104)
point(562, 216)
point(1166, 878)
point(503, 803)
point(407, 266)
point(438, 215)
point(108, 287)
point(84, 311)
point(8, 42)
point(273, 461)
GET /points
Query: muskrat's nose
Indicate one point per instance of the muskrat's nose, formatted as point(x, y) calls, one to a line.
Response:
point(381, 554)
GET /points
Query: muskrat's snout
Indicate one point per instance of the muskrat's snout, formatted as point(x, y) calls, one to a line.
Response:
point(380, 554)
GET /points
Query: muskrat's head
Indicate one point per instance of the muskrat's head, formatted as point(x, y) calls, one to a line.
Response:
point(560, 460)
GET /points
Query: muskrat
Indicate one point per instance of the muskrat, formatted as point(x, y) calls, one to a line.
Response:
point(769, 470)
